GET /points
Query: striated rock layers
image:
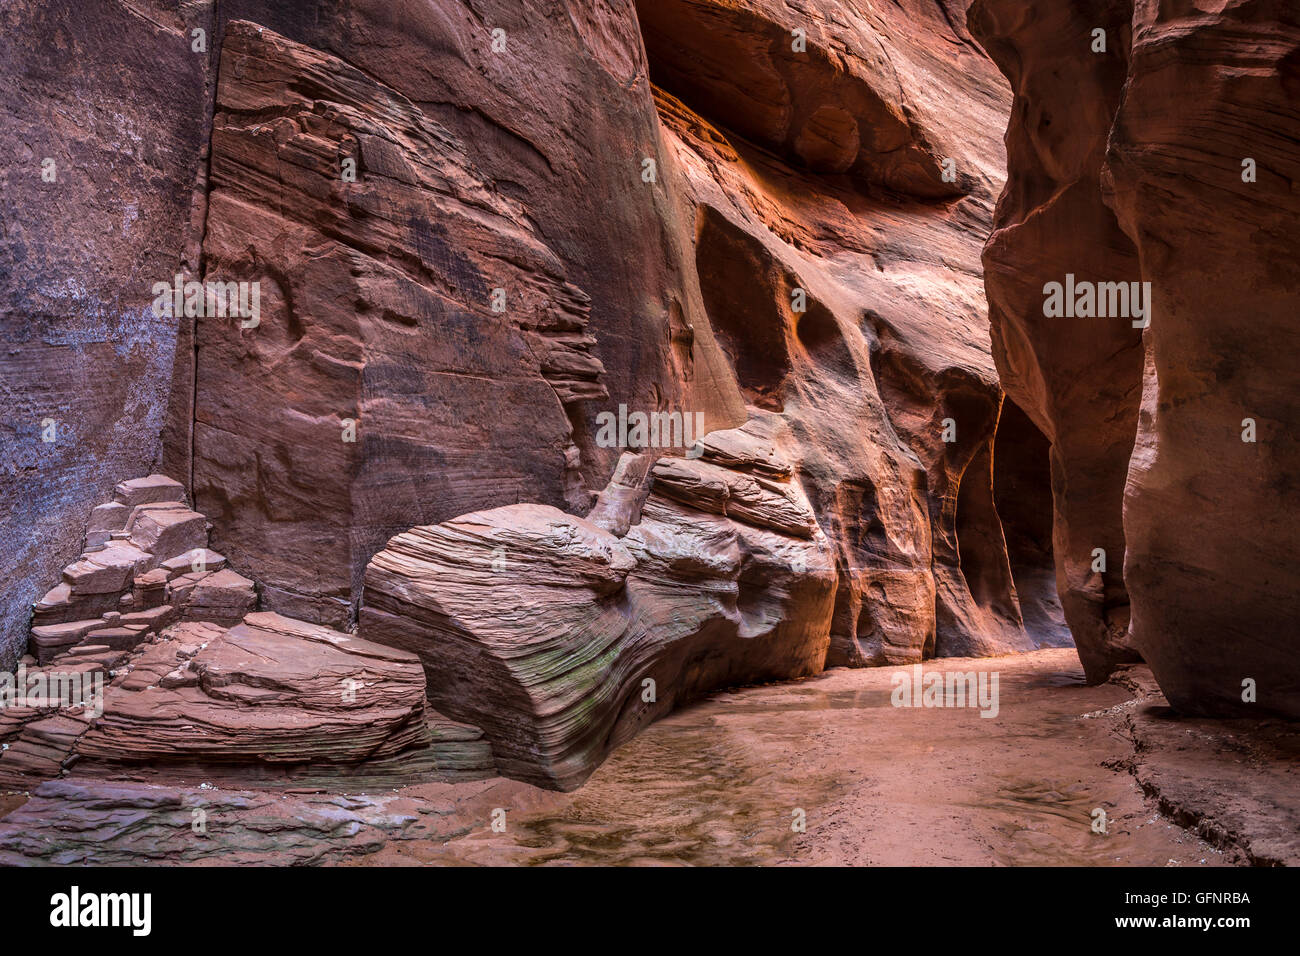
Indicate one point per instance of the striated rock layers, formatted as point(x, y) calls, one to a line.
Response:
point(146, 565)
point(562, 637)
point(839, 190)
point(404, 303)
point(1169, 159)
point(80, 822)
point(203, 687)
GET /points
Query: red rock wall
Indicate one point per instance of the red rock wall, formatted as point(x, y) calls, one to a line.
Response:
point(820, 170)
point(1078, 379)
point(81, 347)
point(431, 373)
point(1130, 164)
point(1210, 519)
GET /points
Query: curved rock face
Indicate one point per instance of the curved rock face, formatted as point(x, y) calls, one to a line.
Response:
point(1209, 510)
point(1077, 378)
point(490, 222)
point(854, 313)
point(561, 639)
point(837, 213)
point(1174, 167)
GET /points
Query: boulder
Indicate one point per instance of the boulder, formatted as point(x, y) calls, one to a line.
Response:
point(561, 639)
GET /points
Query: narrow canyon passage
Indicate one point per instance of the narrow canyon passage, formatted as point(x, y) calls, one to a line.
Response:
point(719, 783)
point(470, 432)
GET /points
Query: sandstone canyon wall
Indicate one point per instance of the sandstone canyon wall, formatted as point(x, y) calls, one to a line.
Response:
point(97, 191)
point(1166, 157)
point(760, 217)
point(481, 230)
point(1211, 499)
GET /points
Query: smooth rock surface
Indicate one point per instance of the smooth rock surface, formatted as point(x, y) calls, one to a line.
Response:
point(1213, 560)
point(1077, 379)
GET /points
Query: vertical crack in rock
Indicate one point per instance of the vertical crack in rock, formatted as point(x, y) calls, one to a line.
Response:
point(95, 199)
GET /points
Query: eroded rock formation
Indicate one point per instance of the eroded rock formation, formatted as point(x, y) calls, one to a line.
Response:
point(81, 822)
point(561, 639)
point(377, 310)
point(855, 312)
point(203, 686)
point(1113, 176)
point(770, 225)
point(477, 230)
point(146, 565)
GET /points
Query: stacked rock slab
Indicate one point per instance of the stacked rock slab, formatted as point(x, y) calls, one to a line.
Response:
point(145, 565)
point(561, 639)
point(199, 687)
point(271, 701)
point(274, 699)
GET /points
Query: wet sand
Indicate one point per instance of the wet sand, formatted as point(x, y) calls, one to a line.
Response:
point(721, 782)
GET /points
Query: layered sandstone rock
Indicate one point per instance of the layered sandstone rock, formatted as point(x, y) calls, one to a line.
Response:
point(561, 639)
point(102, 160)
point(380, 352)
point(200, 686)
point(146, 564)
point(1213, 560)
point(269, 689)
point(1182, 182)
point(88, 822)
point(615, 240)
point(497, 246)
point(271, 701)
point(1076, 378)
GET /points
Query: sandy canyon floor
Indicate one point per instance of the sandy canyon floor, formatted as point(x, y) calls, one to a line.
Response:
point(720, 783)
point(728, 780)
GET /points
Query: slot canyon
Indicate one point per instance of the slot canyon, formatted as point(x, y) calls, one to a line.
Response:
point(312, 519)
